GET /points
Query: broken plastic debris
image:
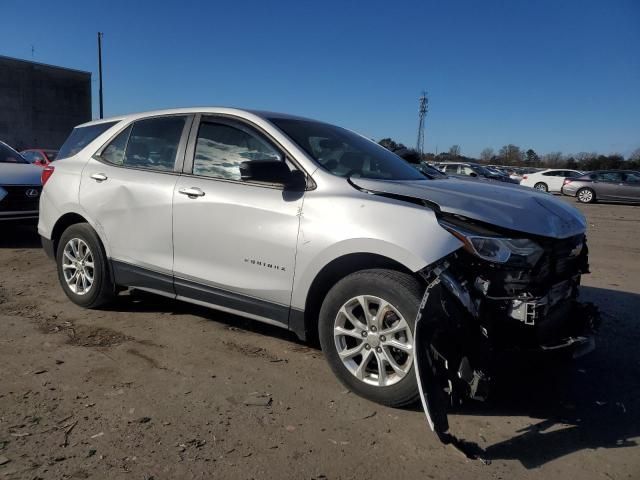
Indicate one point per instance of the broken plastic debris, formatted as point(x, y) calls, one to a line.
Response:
point(258, 400)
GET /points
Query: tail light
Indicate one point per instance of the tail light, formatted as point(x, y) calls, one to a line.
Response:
point(524, 177)
point(46, 174)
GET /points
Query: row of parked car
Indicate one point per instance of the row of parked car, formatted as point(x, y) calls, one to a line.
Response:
point(587, 187)
point(20, 181)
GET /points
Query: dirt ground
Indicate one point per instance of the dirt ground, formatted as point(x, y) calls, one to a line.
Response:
point(153, 388)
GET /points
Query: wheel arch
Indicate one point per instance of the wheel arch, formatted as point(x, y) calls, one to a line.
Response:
point(306, 327)
point(64, 222)
point(72, 218)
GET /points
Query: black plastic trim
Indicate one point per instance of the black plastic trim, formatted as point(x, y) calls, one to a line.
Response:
point(47, 246)
point(128, 275)
point(277, 313)
point(297, 324)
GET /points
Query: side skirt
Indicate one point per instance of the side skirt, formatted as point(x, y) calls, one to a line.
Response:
point(128, 275)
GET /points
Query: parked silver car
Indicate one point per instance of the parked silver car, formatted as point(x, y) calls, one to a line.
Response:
point(608, 185)
point(20, 186)
point(317, 229)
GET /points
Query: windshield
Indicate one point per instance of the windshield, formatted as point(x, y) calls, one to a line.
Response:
point(81, 137)
point(429, 171)
point(344, 153)
point(9, 155)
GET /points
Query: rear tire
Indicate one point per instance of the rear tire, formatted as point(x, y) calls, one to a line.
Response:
point(82, 265)
point(385, 341)
point(541, 186)
point(586, 195)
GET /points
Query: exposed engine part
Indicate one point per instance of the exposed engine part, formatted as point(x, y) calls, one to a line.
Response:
point(466, 317)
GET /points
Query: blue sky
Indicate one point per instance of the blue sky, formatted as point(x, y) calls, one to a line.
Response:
point(552, 75)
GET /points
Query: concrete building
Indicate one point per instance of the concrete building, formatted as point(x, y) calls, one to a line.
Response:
point(40, 104)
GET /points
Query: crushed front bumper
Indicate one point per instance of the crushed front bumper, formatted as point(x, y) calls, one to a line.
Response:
point(463, 328)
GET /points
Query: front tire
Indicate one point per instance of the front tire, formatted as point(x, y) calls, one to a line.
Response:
point(82, 267)
point(586, 195)
point(366, 331)
point(541, 186)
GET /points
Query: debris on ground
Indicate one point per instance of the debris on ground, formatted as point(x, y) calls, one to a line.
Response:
point(258, 399)
point(4, 460)
point(68, 431)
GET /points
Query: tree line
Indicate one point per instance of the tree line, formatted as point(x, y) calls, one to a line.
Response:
point(514, 156)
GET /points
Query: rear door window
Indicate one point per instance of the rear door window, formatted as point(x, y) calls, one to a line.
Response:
point(114, 152)
point(81, 137)
point(150, 143)
point(609, 177)
point(153, 143)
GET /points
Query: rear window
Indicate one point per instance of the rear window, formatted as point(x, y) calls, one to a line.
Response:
point(81, 137)
point(9, 155)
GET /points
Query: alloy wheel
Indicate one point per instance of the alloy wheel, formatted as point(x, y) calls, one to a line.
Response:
point(77, 266)
point(585, 196)
point(373, 340)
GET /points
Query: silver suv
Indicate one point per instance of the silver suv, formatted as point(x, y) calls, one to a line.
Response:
point(319, 230)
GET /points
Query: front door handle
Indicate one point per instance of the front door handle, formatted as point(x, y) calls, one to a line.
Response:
point(191, 192)
point(99, 177)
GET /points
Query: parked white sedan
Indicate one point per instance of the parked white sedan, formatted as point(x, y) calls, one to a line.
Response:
point(549, 180)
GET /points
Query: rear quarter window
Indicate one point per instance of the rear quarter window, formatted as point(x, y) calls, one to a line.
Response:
point(81, 137)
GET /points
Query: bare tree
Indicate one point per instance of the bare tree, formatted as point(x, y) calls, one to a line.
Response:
point(487, 154)
point(510, 155)
point(454, 151)
point(635, 155)
point(553, 159)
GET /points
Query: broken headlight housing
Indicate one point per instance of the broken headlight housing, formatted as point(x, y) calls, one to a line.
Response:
point(495, 248)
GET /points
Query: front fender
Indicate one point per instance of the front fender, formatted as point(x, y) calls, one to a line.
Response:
point(406, 233)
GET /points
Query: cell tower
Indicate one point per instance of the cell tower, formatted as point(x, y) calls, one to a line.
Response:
point(424, 107)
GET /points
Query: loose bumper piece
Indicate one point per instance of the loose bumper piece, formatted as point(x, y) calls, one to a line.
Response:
point(454, 343)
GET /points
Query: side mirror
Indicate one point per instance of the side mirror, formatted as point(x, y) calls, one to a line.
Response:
point(272, 171)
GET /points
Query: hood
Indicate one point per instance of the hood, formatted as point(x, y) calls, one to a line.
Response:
point(19, 174)
point(502, 204)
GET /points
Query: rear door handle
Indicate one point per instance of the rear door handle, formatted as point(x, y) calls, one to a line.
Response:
point(99, 177)
point(191, 192)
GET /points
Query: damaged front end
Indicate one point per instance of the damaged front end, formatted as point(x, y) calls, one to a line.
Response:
point(504, 292)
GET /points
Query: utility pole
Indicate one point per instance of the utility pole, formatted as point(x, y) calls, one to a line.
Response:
point(422, 111)
point(100, 73)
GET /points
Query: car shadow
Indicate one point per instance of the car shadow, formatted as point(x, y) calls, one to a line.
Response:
point(590, 403)
point(19, 235)
point(141, 301)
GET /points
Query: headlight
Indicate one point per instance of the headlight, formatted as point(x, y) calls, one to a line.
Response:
point(518, 251)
